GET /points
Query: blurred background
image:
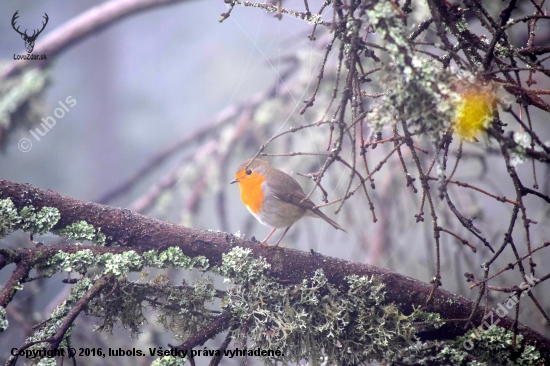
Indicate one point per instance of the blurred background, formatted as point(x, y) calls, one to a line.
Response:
point(170, 101)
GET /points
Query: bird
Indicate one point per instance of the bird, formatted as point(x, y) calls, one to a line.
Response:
point(274, 198)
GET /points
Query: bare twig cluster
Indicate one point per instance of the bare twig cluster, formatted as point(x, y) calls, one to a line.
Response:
point(400, 86)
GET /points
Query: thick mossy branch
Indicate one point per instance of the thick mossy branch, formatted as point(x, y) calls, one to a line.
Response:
point(283, 267)
point(113, 299)
point(314, 319)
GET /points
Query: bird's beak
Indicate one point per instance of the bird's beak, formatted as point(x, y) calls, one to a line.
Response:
point(234, 181)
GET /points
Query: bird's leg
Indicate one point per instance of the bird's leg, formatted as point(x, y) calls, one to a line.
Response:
point(281, 238)
point(264, 242)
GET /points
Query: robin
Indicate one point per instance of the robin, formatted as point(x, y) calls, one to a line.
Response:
point(274, 197)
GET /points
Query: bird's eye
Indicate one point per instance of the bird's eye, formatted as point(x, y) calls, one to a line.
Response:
point(248, 172)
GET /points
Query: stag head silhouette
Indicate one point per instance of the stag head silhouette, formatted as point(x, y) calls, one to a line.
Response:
point(29, 40)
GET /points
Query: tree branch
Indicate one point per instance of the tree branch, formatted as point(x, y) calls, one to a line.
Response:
point(141, 233)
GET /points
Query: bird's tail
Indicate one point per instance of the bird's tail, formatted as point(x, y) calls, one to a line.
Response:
point(316, 212)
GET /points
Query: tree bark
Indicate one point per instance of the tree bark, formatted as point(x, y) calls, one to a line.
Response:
point(140, 233)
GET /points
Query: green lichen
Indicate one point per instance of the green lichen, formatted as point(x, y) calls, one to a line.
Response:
point(39, 222)
point(3, 319)
point(50, 266)
point(187, 311)
point(27, 219)
point(422, 90)
point(9, 217)
point(82, 231)
point(47, 362)
point(80, 288)
point(169, 361)
point(62, 261)
point(314, 319)
point(119, 264)
point(240, 266)
point(174, 257)
point(492, 346)
point(123, 306)
point(204, 288)
point(78, 262)
point(502, 51)
point(180, 309)
point(42, 221)
point(462, 24)
point(315, 19)
point(51, 326)
point(518, 155)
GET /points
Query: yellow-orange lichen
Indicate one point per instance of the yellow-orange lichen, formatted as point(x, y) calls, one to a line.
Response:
point(474, 112)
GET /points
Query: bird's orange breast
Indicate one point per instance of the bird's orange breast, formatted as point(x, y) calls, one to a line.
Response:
point(252, 193)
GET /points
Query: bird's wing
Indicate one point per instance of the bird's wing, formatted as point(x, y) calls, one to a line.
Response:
point(295, 195)
point(289, 190)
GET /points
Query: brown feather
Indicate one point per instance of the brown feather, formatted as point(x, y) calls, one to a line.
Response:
point(287, 188)
point(294, 194)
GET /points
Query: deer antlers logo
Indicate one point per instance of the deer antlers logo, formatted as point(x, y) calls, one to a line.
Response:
point(29, 40)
